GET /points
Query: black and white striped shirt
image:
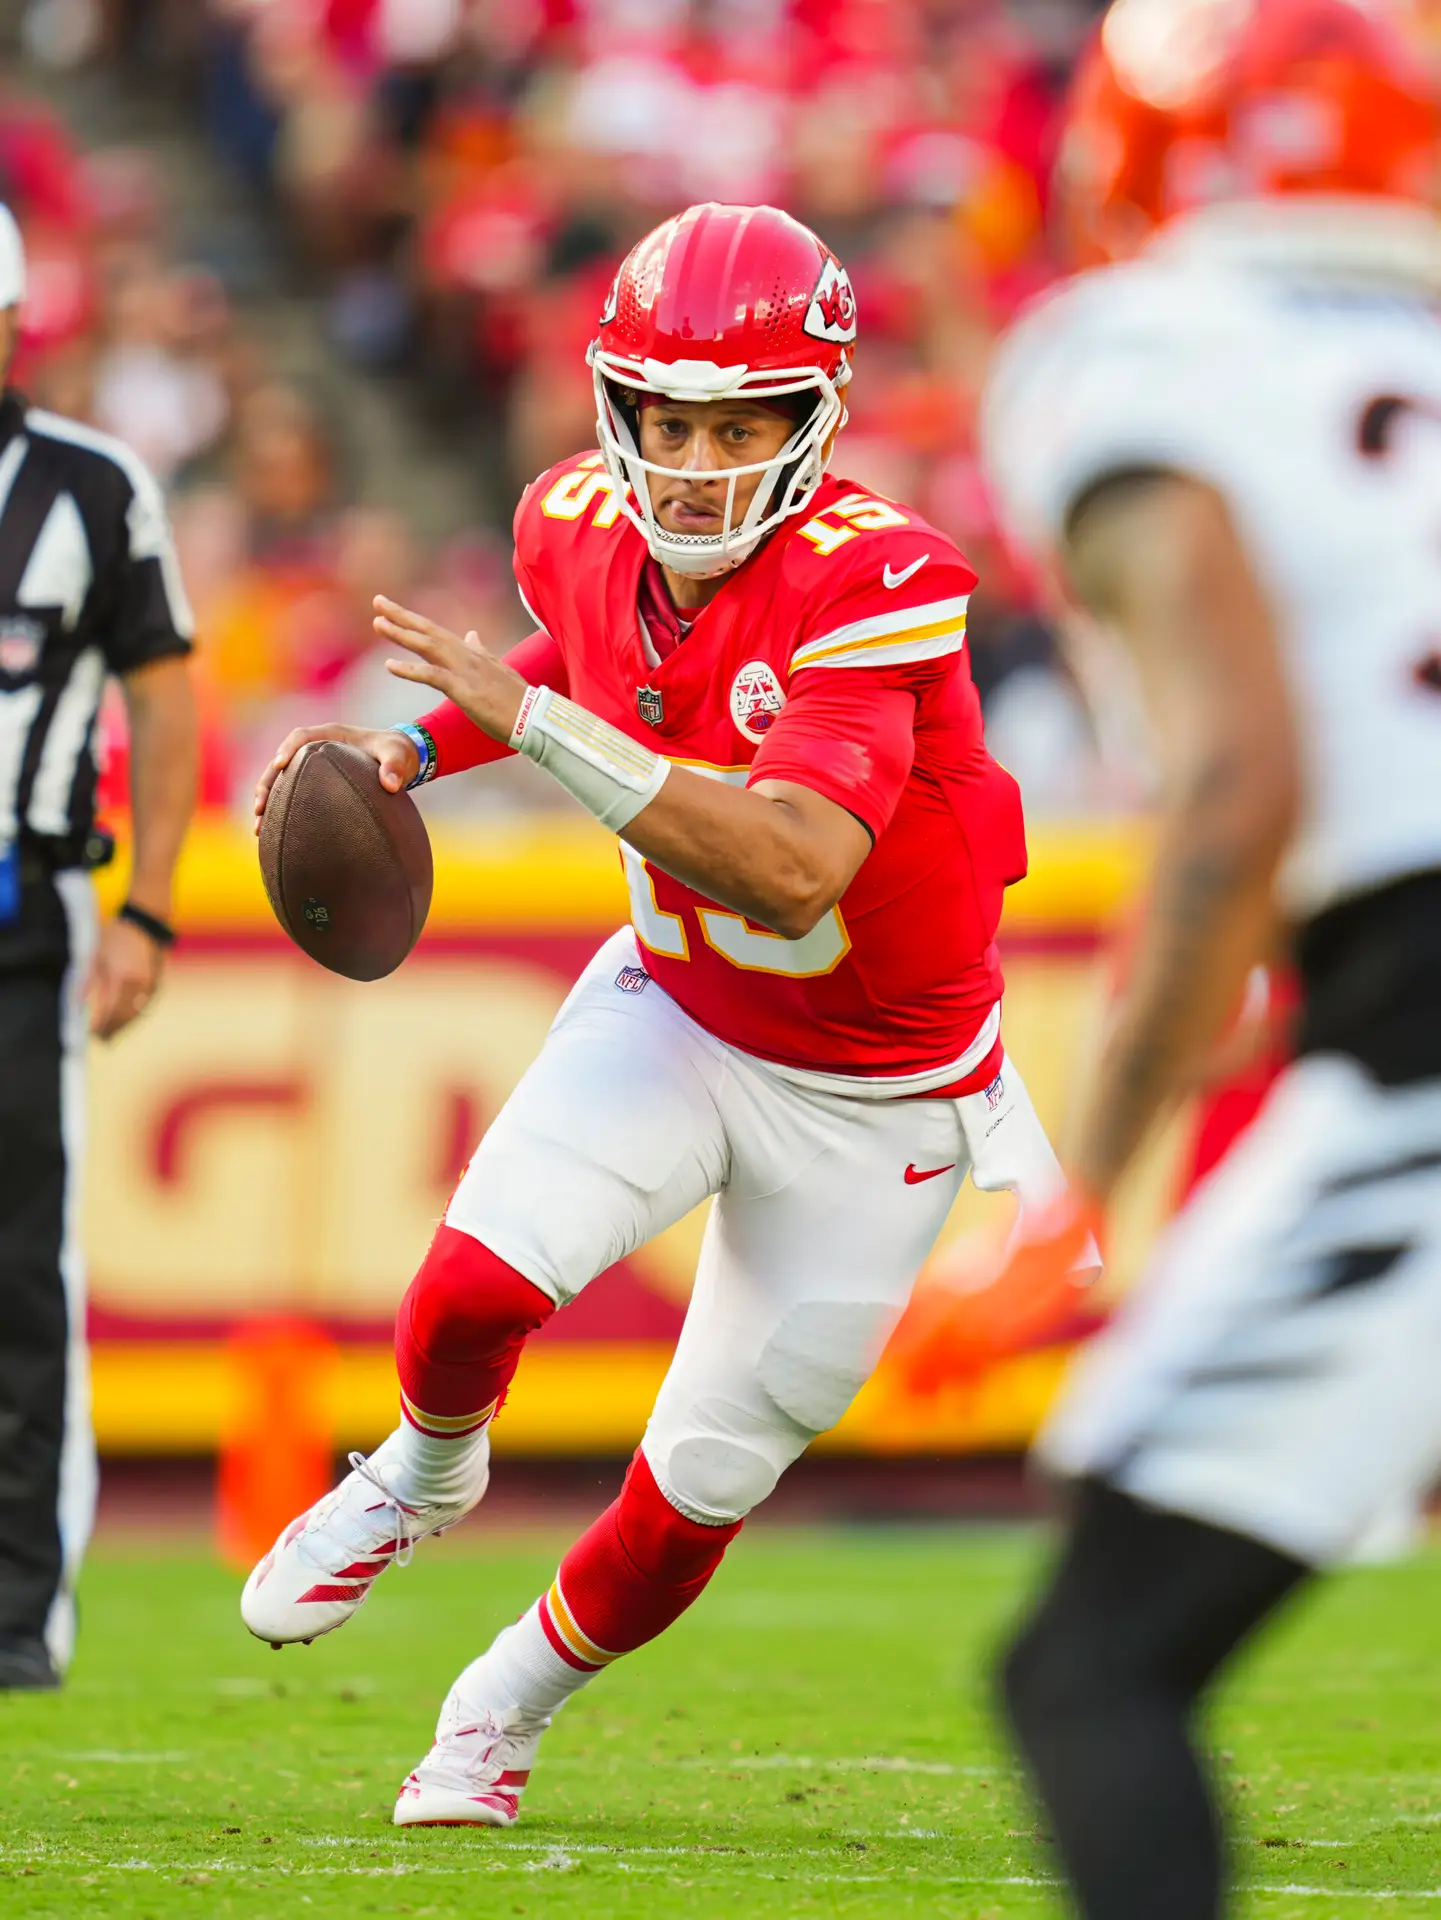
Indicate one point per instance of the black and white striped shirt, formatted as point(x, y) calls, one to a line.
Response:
point(89, 586)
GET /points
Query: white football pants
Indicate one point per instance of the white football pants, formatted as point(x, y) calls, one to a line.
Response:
point(827, 1205)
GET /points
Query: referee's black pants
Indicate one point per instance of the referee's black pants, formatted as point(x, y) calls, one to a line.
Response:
point(47, 1458)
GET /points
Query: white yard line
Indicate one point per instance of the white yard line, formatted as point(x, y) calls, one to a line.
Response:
point(865, 1763)
point(566, 1858)
point(1297, 1891)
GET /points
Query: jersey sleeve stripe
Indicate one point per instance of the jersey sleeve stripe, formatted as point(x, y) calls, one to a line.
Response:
point(814, 654)
point(877, 653)
point(904, 624)
point(865, 642)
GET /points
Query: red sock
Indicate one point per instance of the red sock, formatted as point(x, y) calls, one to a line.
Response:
point(459, 1334)
point(634, 1572)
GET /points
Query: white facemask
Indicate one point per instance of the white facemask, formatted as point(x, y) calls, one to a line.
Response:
point(787, 482)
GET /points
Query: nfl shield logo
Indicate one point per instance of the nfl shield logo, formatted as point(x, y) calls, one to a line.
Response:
point(632, 979)
point(994, 1092)
point(20, 642)
point(649, 705)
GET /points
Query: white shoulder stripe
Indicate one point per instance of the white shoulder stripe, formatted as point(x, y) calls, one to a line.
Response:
point(890, 639)
point(904, 653)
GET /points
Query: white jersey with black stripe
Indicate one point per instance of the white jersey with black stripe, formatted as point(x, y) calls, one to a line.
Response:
point(89, 586)
point(1294, 363)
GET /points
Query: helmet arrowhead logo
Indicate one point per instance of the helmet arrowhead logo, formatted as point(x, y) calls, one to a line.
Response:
point(831, 314)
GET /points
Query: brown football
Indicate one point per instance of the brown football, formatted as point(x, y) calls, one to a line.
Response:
point(347, 865)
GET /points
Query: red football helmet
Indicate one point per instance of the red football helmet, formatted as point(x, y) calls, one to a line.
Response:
point(1182, 103)
point(717, 303)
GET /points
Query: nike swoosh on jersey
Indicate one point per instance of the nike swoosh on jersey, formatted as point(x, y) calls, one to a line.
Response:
point(914, 1175)
point(889, 579)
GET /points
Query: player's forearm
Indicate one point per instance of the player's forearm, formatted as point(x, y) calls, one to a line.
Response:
point(777, 853)
point(1210, 919)
point(745, 851)
point(164, 759)
point(783, 858)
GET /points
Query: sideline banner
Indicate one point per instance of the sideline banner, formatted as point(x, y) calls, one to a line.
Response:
point(273, 1139)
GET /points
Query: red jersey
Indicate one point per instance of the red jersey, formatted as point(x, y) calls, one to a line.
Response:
point(833, 658)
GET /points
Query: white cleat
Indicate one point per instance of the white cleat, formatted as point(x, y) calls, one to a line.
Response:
point(323, 1566)
point(476, 1772)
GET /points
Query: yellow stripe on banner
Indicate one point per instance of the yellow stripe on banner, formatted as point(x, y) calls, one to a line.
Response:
point(903, 636)
point(580, 1644)
point(571, 1399)
point(560, 876)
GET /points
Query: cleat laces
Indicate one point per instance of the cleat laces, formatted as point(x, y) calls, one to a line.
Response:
point(404, 1533)
point(391, 1504)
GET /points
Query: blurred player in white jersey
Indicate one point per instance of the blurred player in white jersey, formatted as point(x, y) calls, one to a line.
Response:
point(1227, 443)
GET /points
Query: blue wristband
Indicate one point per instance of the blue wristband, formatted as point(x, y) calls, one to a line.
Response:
point(425, 747)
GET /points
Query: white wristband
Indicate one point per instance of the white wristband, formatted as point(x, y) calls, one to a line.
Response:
point(609, 773)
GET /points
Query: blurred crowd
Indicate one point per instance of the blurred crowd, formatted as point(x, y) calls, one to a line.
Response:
point(456, 180)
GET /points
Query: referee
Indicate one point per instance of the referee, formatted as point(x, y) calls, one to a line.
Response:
point(88, 587)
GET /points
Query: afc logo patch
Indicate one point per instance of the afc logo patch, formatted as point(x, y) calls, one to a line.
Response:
point(831, 314)
point(994, 1093)
point(21, 639)
point(632, 979)
point(649, 705)
point(756, 699)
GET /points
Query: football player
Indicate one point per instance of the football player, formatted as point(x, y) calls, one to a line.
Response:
point(756, 676)
point(1228, 443)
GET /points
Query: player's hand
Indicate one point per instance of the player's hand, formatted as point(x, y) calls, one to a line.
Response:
point(484, 688)
point(393, 753)
point(124, 977)
point(1041, 1296)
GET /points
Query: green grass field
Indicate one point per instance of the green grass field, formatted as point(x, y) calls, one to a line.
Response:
point(812, 1739)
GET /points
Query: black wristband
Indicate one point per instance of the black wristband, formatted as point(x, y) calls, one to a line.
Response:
point(160, 931)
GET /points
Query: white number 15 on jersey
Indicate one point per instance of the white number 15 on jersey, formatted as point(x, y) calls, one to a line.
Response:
point(730, 934)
